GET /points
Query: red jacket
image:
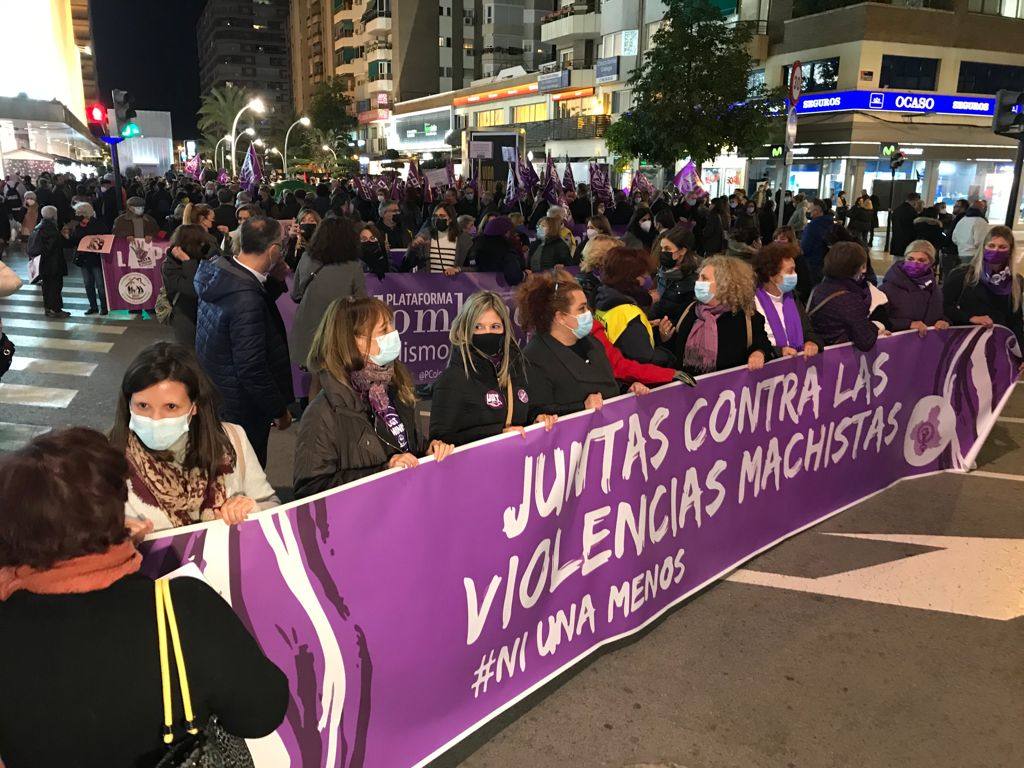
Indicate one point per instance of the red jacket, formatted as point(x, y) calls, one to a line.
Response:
point(629, 371)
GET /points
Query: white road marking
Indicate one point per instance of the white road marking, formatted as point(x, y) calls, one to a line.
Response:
point(970, 576)
point(1011, 419)
point(996, 475)
point(14, 436)
point(24, 298)
point(41, 397)
point(56, 367)
point(64, 325)
point(71, 345)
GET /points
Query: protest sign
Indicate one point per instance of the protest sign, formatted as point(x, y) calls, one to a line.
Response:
point(445, 593)
point(131, 273)
point(96, 244)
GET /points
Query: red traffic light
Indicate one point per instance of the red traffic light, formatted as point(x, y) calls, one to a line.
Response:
point(97, 113)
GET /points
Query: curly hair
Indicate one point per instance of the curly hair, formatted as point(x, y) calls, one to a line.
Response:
point(542, 295)
point(735, 282)
point(768, 260)
point(596, 251)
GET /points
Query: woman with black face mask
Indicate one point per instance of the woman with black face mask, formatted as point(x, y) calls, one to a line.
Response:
point(441, 246)
point(376, 259)
point(485, 390)
point(300, 236)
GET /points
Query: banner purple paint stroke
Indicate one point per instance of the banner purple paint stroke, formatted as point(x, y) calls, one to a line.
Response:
point(131, 273)
point(410, 608)
point(425, 305)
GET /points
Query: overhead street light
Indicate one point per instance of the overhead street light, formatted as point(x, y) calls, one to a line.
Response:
point(226, 138)
point(250, 132)
point(257, 106)
point(304, 122)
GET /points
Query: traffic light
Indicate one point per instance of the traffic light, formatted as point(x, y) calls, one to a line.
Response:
point(97, 116)
point(130, 131)
point(897, 159)
point(124, 108)
point(1008, 119)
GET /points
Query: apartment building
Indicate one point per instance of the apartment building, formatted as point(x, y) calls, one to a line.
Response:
point(81, 24)
point(245, 43)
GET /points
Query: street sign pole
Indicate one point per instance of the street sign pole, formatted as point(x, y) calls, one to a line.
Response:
point(1011, 212)
point(796, 89)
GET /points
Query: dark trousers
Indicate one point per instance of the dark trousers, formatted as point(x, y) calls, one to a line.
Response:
point(52, 287)
point(257, 429)
point(93, 278)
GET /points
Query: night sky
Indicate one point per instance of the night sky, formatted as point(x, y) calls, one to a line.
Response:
point(148, 48)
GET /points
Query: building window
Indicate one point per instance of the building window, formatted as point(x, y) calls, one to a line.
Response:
point(909, 72)
point(489, 118)
point(819, 75)
point(570, 108)
point(1010, 8)
point(531, 113)
point(982, 77)
point(488, 14)
point(444, 42)
point(755, 79)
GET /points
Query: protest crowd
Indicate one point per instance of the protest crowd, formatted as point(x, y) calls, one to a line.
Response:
point(616, 291)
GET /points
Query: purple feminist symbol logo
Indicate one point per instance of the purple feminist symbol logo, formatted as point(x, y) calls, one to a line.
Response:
point(926, 434)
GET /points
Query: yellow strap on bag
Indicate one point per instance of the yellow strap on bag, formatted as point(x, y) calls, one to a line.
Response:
point(165, 617)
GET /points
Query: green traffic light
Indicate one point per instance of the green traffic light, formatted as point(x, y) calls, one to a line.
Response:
point(130, 131)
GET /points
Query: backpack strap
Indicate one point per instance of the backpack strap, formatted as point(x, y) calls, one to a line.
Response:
point(679, 322)
point(826, 300)
point(750, 330)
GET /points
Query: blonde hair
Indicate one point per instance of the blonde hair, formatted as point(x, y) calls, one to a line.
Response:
point(461, 334)
point(734, 280)
point(334, 346)
point(977, 264)
point(596, 251)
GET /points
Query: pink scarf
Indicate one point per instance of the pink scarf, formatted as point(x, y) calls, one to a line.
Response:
point(701, 353)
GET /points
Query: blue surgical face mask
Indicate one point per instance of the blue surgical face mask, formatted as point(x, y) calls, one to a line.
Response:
point(702, 290)
point(390, 349)
point(584, 324)
point(159, 434)
point(788, 283)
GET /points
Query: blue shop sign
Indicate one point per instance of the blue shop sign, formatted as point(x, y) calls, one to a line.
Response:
point(895, 101)
point(607, 70)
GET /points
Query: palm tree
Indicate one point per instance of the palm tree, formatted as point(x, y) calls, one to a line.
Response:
point(217, 112)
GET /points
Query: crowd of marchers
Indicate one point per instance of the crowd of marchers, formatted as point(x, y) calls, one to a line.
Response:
point(614, 297)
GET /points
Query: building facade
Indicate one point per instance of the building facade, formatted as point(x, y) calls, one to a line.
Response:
point(81, 24)
point(245, 43)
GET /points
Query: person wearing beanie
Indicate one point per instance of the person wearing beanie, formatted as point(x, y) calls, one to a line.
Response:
point(46, 244)
point(136, 222)
point(84, 224)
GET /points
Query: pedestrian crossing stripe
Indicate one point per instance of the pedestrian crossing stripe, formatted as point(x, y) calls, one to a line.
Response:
point(54, 367)
point(70, 345)
point(14, 436)
point(19, 298)
point(71, 326)
point(38, 397)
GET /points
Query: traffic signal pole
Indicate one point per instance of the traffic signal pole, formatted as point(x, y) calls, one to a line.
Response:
point(117, 178)
point(1012, 212)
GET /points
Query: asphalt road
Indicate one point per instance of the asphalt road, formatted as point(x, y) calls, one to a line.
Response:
point(898, 643)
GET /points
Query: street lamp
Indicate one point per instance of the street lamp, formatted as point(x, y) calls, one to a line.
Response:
point(257, 106)
point(304, 122)
point(272, 151)
point(328, 149)
point(250, 132)
point(226, 138)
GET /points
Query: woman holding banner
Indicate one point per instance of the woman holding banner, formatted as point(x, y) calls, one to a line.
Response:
point(569, 370)
point(840, 306)
point(786, 322)
point(484, 391)
point(363, 420)
point(84, 224)
point(622, 303)
point(722, 329)
point(185, 464)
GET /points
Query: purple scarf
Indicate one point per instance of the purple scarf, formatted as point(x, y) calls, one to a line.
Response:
point(789, 331)
point(701, 352)
point(372, 383)
point(998, 280)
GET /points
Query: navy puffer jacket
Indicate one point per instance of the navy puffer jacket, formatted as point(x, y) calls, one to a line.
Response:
point(241, 341)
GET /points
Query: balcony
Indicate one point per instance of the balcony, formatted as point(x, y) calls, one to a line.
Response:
point(377, 23)
point(808, 7)
point(567, 129)
point(379, 50)
point(579, 21)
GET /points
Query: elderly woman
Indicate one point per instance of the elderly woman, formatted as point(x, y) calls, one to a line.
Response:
point(840, 307)
point(723, 329)
point(595, 253)
point(786, 323)
point(915, 298)
point(78, 616)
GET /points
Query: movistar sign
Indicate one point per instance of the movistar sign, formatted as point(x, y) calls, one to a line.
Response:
point(895, 101)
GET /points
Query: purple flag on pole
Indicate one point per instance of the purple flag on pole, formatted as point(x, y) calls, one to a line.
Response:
point(568, 180)
point(687, 181)
point(552, 192)
point(194, 167)
point(223, 177)
point(511, 187)
point(528, 178)
point(252, 172)
point(642, 184)
point(449, 169)
point(599, 186)
point(415, 178)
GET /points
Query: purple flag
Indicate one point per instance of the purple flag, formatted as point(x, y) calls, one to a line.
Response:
point(223, 177)
point(415, 179)
point(528, 178)
point(579, 536)
point(449, 169)
point(687, 181)
point(511, 187)
point(194, 167)
point(252, 172)
point(552, 192)
point(599, 187)
point(642, 184)
point(568, 180)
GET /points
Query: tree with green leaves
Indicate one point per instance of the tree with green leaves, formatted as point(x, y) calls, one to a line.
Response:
point(692, 94)
point(328, 106)
point(218, 109)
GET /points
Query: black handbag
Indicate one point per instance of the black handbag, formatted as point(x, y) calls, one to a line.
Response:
point(210, 747)
point(7, 350)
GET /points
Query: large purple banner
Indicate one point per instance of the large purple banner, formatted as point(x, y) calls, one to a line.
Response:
point(131, 273)
point(410, 608)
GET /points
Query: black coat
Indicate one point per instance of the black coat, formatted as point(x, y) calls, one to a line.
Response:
point(677, 295)
point(561, 379)
point(468, 407)
point(341, 439)
point(963, 301)
point(733, 349)
point(493, 253)
point(86, 659)
point(929, 229)
point(93, 227)
point(224, 215)
point(179, 280)
point(633, 341)
point(903, 216)
point(241, 342)
point(47, 243)
point(549, 253)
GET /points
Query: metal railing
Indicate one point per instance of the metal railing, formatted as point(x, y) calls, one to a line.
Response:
point(808, 7)
point(576, 9)
point(567, 128)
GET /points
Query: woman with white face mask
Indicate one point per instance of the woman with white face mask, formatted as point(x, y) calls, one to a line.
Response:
point(186, 465)
point(363, 419)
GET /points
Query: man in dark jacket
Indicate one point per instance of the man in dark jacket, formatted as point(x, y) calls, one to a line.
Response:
point(903, 216)
point(84, 224)
point(240, 336)
point(47, 243)
point(224, 218)
point(813, 242)
point(107, 208)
